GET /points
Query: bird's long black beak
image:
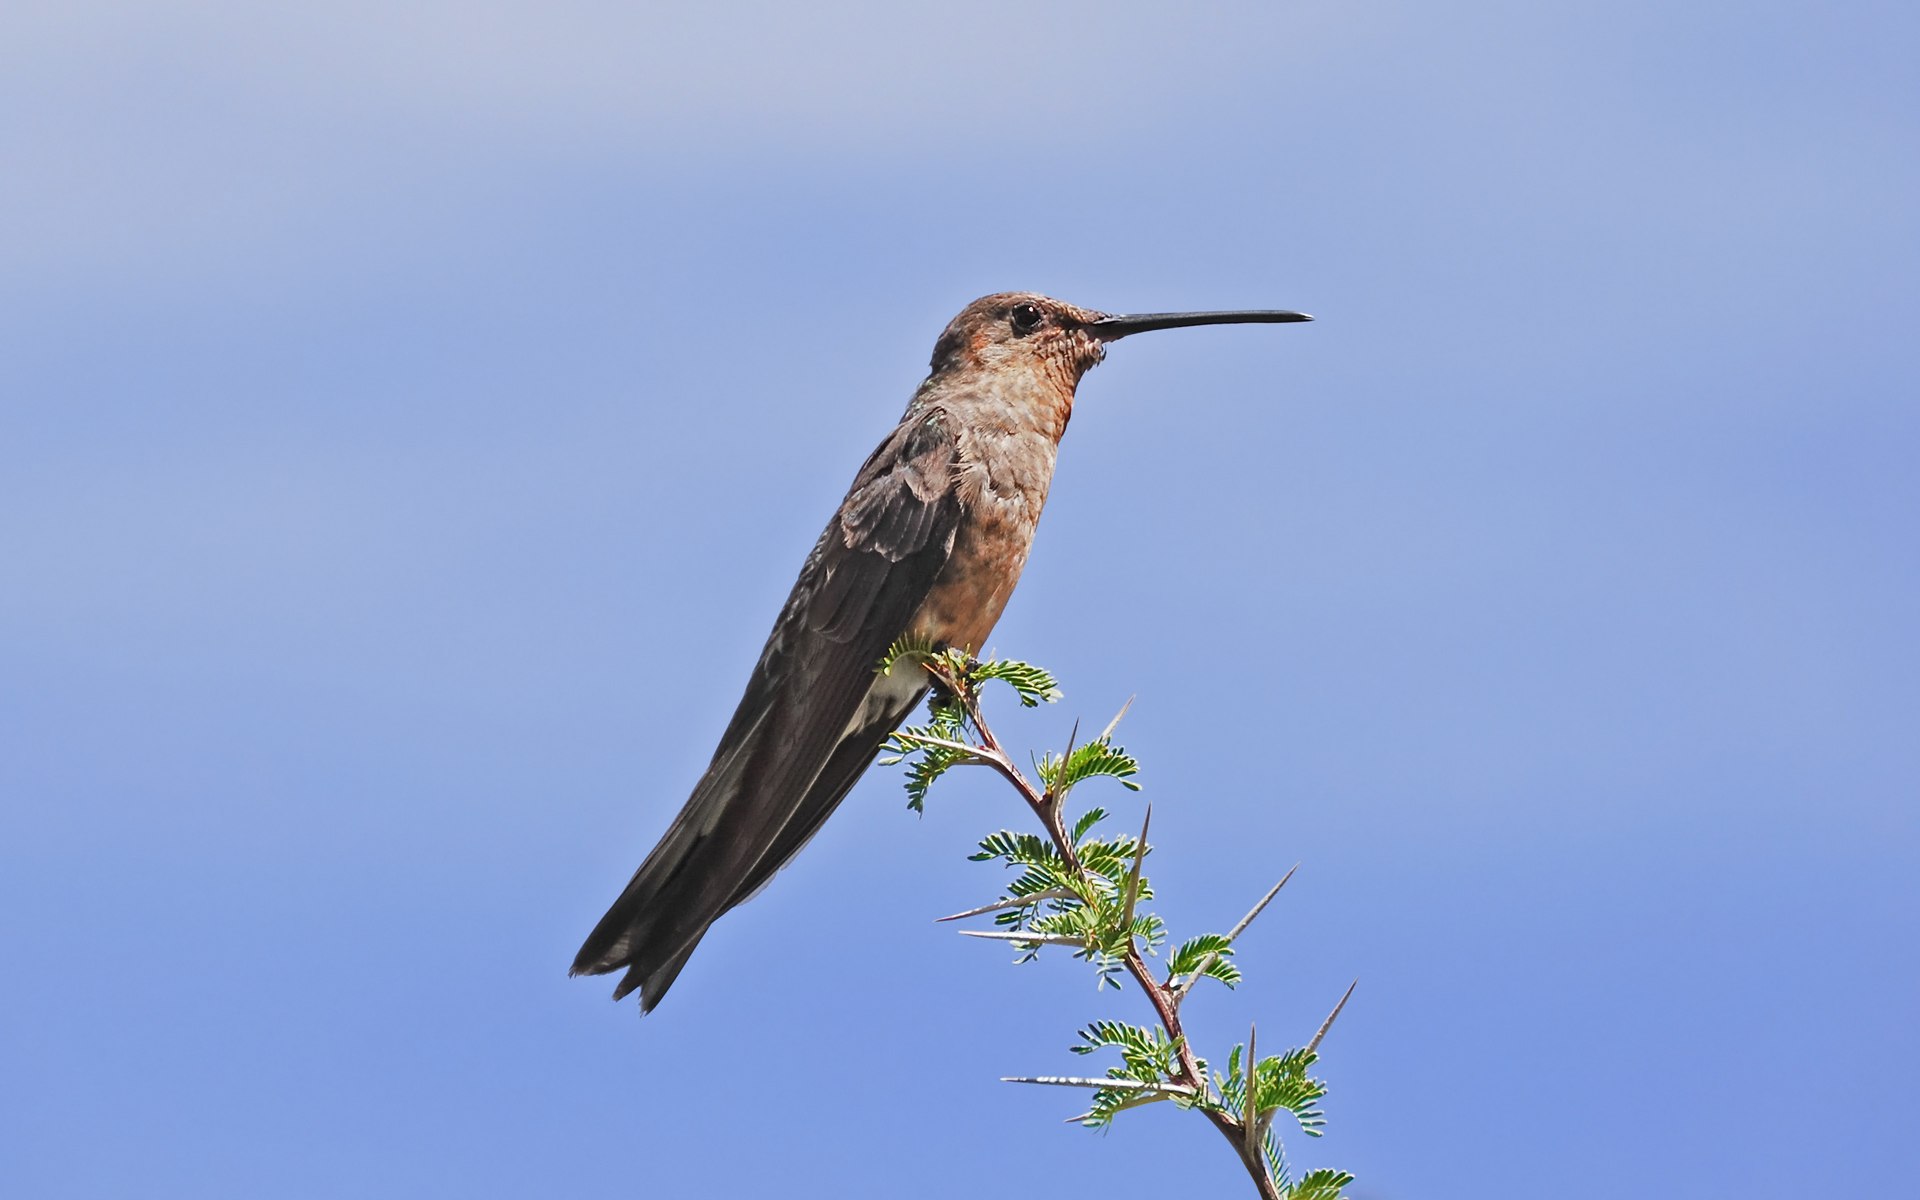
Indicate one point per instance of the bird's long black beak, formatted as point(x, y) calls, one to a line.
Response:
point(1114, 326)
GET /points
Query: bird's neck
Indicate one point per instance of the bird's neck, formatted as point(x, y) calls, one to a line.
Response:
point(1019, 405)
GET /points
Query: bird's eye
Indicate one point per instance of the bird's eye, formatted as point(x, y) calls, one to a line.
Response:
point(1026, 318)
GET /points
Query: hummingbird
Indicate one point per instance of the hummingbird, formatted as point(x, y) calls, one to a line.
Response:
point(927, 545)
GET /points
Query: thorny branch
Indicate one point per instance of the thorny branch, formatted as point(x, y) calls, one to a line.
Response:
point(1243, 1132)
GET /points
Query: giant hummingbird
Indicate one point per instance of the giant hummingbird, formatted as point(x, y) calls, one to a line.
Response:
point(927, 545)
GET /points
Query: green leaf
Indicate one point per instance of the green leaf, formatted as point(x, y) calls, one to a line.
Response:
point(909, 651)
point(947, 712)
point(1282, 1082)
point(1101, 757)
point(1225, 971)
point(1323, 1184)
point(1111, 859)
point(1087, 821)
point(1021, 849)
point(1107, 1103)
point(925, 762)
point(1232, 1085)
point(1147, 1054)
point(912, 744)
point(1276, 1159)
point(1188, 955)
point(1139, 1038)
point(1213, 951)
point(1035, 685)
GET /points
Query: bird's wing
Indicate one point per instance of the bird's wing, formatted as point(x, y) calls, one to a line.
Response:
point(813, 713)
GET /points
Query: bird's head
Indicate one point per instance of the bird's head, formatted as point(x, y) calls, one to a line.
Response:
point(1020, 332)
point(1024, 333)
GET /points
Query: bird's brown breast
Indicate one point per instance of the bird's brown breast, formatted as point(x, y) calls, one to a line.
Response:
point(1003, 481)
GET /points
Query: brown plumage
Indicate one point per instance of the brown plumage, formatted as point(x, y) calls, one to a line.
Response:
point(929, 541)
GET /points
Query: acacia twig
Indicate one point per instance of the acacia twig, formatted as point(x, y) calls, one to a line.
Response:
point(1186, 1077)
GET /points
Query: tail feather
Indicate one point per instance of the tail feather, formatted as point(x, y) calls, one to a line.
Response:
point(651, 929)
point(713, 858)
point(625, 937)
point(654, 984)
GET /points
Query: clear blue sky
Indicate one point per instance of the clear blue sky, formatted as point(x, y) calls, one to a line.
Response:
point(409, 425)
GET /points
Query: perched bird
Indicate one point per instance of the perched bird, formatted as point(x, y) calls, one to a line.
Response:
point(929, 543)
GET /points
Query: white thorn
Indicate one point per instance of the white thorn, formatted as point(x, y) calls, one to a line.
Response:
point(1015, 902)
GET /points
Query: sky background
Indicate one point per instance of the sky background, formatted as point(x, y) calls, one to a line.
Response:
point(411, 421)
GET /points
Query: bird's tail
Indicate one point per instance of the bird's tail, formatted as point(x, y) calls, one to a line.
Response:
point(622, 939)
point(767, 793)
point(683, 887)
point(660, 917)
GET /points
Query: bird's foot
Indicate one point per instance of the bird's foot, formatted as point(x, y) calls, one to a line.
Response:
point(943, 694)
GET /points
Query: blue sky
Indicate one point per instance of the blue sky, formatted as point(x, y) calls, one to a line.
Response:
point(410, 424)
